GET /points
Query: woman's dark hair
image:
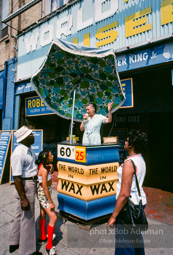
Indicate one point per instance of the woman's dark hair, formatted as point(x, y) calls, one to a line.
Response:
point(93, 105)
point(42, 157)
point(137, 139)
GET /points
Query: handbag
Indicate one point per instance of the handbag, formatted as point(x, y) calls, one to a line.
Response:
point(133, 216)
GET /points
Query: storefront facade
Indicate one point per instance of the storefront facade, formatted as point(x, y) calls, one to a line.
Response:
point(140, 33)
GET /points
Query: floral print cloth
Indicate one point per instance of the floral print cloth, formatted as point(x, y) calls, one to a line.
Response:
point(42, 197)
point(91, 71)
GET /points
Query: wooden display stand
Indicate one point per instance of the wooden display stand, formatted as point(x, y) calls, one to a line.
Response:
point(87, 179)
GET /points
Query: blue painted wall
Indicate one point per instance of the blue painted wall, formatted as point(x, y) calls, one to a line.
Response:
point(2, 93)
point(8, 119)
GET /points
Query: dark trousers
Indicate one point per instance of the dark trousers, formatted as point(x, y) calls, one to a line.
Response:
point(127, 241)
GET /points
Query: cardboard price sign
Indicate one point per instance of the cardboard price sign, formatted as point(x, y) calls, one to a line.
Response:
point(80, 154)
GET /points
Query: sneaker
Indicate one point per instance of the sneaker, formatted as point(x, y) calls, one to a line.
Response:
point(51, 251)
point(45, 240)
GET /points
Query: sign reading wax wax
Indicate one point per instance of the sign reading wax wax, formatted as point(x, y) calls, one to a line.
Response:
point(87, 192)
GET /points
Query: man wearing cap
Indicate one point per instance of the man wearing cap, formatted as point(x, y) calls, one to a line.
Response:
point(24, 172)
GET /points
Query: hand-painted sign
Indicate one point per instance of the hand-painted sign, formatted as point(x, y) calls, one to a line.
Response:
point(66, 152)
point(87, 174)
point(143, 58)
point(24, 88)
point(80, 154)
point(5, 137)
point(35, 106)
point(37, 146)
point(87, 192)
point(112, 24)
point(128, 90)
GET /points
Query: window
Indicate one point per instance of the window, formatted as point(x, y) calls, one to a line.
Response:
point(52, 5)
point(56, 4)
point(3, 14)
point(46, 7)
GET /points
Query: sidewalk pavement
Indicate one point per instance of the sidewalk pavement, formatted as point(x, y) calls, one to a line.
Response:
point(72, 240)
point(159, 205)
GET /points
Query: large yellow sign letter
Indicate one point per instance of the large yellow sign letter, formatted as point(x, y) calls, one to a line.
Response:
point(134, 24)
point(86, 39)
point(166, 12)
point(109, 35)
point(75, 40)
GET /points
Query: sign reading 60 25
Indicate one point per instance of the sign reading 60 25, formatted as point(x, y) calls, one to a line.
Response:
point(66, 152)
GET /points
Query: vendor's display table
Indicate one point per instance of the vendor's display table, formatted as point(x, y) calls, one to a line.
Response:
point(87, 179)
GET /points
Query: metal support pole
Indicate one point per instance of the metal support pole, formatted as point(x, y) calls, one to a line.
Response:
point(71, 131)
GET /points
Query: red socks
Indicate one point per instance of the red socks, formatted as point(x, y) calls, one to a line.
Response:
point(50, 231)
point(42, 234)
point(42, 225)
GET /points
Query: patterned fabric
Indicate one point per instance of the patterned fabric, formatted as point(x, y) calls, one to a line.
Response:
point(91, 71)
point(42, 197)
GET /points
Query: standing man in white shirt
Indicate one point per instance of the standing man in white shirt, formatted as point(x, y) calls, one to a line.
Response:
point(24, 172)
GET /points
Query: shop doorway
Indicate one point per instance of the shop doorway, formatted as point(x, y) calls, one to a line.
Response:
point(159, 161)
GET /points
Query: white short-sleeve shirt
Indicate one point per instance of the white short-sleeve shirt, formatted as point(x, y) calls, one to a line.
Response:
point(92, 129)
point(140, 173)
point(23, 162)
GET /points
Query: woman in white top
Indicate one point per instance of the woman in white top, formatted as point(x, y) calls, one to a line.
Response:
point(130, 243)
point(92, 122)
point(47, 206)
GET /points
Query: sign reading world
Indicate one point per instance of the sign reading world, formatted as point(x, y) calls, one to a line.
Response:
point(111, 24)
